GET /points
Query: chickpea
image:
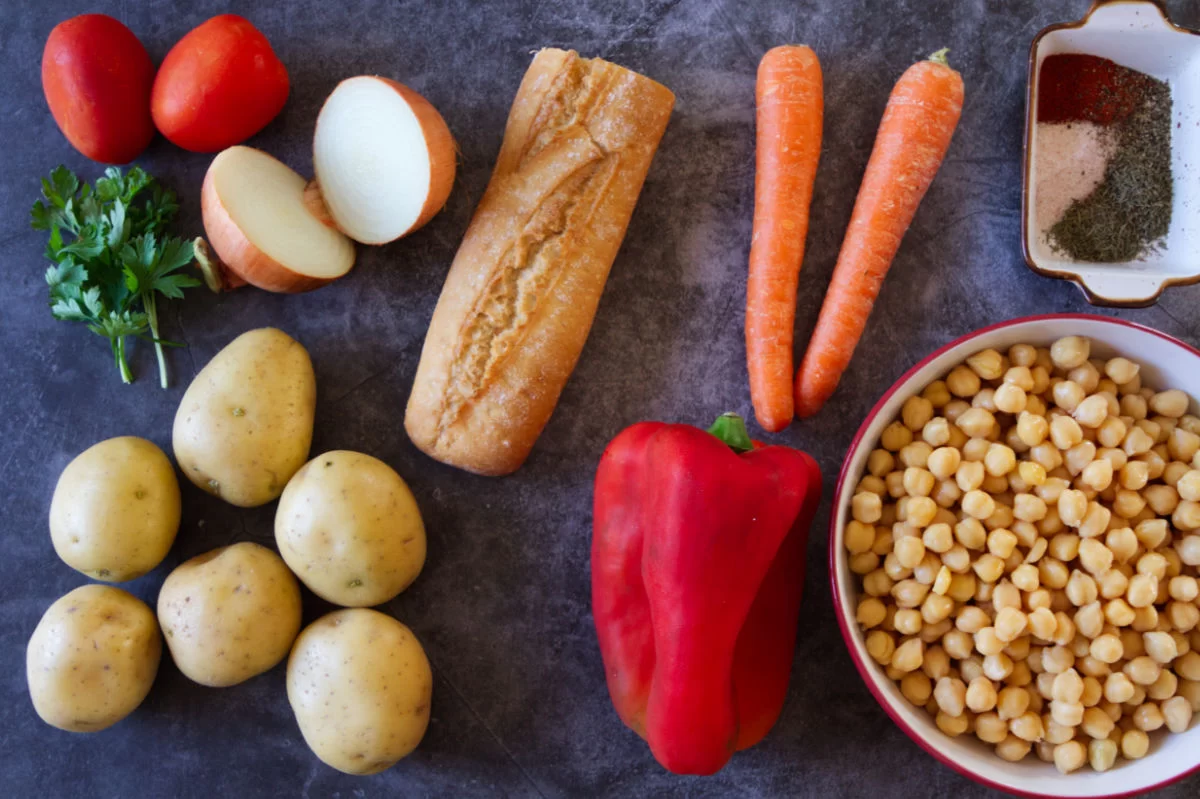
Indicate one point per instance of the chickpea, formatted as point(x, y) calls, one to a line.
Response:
point(915, 412)
point(1148, 717)
point(1182, 445)
point(1183, 588)
point(1135, 744)
point(978, 505)
point(957, 560)
point(1067, 395)
point(1079, 456)
point(880, 462)
point(1009, 398)
point(1184, 616)
point(1096, 521)
point(1087, 376)
point(918, 482)
point(990, 728)
point(1070, 352)
point(1091, 412)
point(1188, 549)
point(1021, 355)
point(1106, 648)
point(880, 646)
point(1164, 687)
point(1094, 556)
point(999, 460)
point(937, 393)
point(1152, 533)
point(1172, 403)
point(1155, 465)
point(916, 687)
point(1001, 542)
point(1186, 516)
point(988, 567)
point(953, 726)
point(1143, 588)
point(1027, 727)
point(1069, 757)
point(895, 437)
point(1097, 475)
point(1177, 713)
point(1052, 573)
point(976, 422)
point(1042, 624)
point(936, 608)
point(1137, 442)
point(963, 382)
point(908, 656)
point(950, 693)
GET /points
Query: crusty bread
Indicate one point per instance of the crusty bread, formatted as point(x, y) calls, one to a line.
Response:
point(521, 294)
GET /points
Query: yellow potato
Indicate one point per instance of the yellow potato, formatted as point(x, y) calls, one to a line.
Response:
point(349, 528)
point(92, 658)
point(115, 509)
point(229, 614)
point(360, 686)
point(245, 423)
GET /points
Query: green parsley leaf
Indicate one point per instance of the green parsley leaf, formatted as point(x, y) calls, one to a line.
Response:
point(110, 258)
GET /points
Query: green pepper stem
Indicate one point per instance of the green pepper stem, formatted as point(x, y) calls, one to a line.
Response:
point(730, 428)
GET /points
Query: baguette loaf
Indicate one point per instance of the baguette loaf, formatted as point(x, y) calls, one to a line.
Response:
point(522, 292)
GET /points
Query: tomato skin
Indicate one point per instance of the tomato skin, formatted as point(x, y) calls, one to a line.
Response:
point(96, 76)
point(218, 86)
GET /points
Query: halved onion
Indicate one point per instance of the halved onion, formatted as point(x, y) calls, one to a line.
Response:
point(259, 224)
point(384, 159)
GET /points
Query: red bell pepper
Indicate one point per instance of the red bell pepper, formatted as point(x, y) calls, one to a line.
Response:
point(697, 571)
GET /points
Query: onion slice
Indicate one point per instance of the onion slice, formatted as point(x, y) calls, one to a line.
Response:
point(259, 224)
point(384, 159)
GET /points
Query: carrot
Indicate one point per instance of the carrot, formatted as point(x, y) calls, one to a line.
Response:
point(913, 137)
point(790, 112)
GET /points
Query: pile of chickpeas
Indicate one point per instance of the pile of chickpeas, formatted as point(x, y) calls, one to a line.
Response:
point(1028, 541)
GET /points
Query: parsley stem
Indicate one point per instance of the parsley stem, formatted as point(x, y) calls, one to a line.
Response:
point(118, 348)
point(152, 316)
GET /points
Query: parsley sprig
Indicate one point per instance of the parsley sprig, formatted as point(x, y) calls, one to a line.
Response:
point(110, 256)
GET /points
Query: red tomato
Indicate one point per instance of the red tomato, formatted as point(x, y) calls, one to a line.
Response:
point(97, 77)
point(219, 85)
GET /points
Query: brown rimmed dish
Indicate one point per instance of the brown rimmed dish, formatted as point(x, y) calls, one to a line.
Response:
point(1138, 34)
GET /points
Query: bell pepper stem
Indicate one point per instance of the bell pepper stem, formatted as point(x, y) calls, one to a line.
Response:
point(730, 428)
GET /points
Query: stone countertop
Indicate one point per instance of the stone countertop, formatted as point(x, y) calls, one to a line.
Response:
point(520, 707)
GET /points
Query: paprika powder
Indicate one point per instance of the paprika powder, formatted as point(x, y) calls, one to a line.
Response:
point(697, 571)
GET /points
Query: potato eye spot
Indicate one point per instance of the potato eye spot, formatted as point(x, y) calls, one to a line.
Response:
point(239, 411)
point(140, 493)
point(355, 583)
point(214, 486)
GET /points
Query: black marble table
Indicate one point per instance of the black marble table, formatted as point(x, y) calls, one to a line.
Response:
point(520, 707)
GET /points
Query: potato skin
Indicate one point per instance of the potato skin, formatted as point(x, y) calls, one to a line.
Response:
point(229, 614)
point(360, 686)
point(350, 529)
point(115, 510)
point(97, 77)
point(245, 424)
point(92, 658)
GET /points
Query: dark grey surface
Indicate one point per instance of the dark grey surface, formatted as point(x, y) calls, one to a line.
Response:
point(520, 707)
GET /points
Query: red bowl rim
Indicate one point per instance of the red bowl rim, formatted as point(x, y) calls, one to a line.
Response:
point(847, 633)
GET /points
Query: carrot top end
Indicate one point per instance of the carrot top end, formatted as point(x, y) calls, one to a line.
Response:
point(940, 57)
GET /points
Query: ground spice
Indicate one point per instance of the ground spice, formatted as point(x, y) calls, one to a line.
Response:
point(1076, 87)
point(1129, 213)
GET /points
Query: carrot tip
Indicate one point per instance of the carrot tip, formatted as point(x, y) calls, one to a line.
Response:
point(940, 57)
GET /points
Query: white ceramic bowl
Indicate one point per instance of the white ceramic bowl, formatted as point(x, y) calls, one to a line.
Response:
point(1166, 363)
point(1139, 35)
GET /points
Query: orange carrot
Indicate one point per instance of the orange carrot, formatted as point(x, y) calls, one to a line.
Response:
point(790, 112)
point(913, 137)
